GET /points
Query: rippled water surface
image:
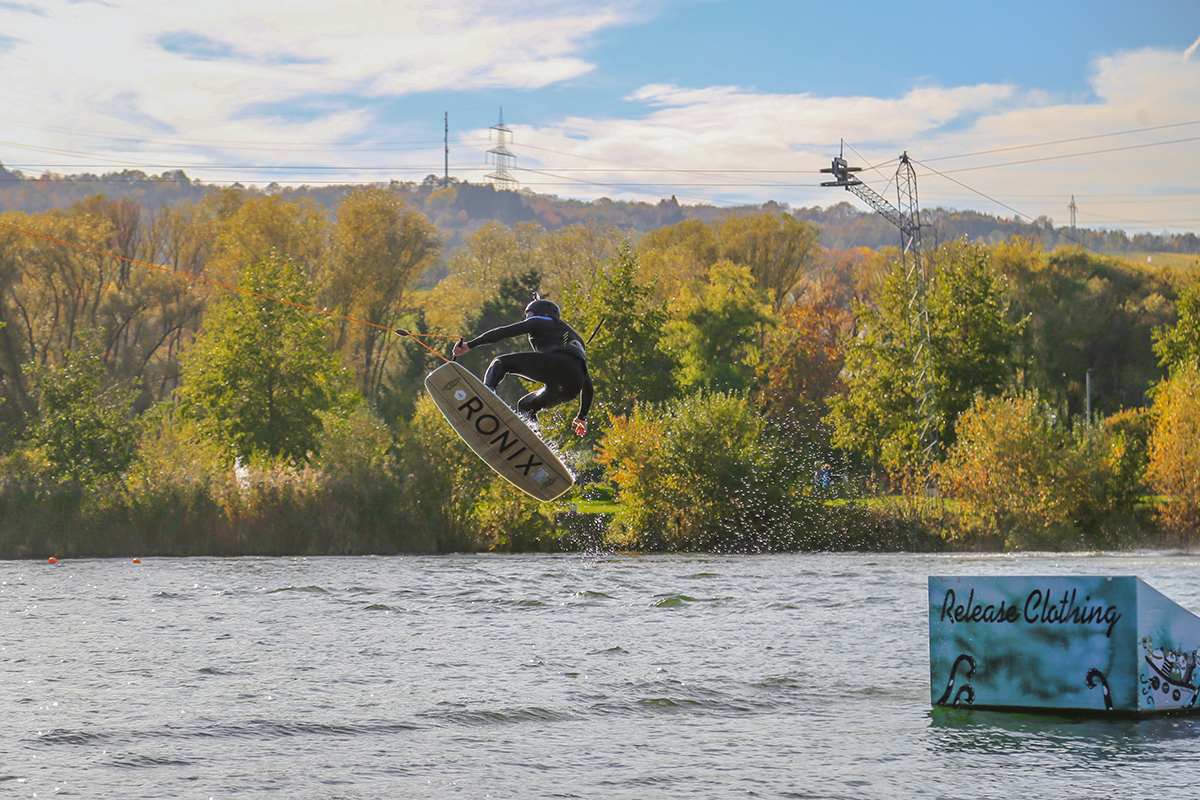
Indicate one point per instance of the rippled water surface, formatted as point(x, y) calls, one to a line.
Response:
point(574, 676)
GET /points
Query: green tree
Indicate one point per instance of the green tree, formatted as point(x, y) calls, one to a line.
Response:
point(704, 472)
point(718, 332)
point(626, 358)
point(972, 337)
point(1178, 345)
point(260, 375)
point(85, 429)
point(971, 344)
point(1084, 312)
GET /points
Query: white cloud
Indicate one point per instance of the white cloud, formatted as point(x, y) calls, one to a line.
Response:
point(710, 133)
point(205, 71)
point(174, 82)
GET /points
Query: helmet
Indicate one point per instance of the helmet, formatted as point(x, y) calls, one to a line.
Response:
point(542, 308)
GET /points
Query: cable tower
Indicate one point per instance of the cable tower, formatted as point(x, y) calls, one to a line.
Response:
point(906, 216)
point(502, 157)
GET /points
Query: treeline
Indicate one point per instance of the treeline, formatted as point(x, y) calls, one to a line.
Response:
point(458, 209)
point(756, 390)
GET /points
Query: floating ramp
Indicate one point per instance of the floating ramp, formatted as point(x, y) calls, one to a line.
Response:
point(1065, 644)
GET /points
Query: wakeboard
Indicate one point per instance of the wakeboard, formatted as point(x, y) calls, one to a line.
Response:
point(496, 434)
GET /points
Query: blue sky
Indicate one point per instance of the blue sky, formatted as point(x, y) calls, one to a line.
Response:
point(1009, 108)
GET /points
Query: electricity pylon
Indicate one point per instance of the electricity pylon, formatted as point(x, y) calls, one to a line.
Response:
point(502, 157)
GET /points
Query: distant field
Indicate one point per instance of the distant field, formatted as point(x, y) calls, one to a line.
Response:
point(1163, 260)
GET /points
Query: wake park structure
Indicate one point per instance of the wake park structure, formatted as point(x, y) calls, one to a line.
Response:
point(1063, 644)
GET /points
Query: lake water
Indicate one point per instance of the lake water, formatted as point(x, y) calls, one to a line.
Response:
point(568, 676)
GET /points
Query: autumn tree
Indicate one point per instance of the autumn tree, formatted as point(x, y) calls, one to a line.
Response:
point(163, 311)
point(249, 230)
point(52, 287)
point(492, 253)
point(842, 278)
point(123, 221)
point(777, 249)
point(380, 246)
point(802, 367)
point(1174, 468)
point(1025, 478)
point(704, 472)
point(574, 262)
point(67, 271)
point(678, 256)
point(14, 353)
point(181, 237)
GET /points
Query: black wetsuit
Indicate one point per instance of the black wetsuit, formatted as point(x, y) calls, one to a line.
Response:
point(559, 363)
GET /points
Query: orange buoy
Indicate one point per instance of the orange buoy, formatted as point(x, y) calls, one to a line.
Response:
point(53, 560)
point(137, 561)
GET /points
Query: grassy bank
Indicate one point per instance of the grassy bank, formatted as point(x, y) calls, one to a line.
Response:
point(282, 519)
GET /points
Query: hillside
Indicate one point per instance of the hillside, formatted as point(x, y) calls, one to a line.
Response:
point(460, 208)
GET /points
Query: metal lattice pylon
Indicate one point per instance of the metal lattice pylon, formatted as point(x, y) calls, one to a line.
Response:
point(906, 216)
point(502, 157)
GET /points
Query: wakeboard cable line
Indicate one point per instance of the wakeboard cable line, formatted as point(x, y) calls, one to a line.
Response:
point(416, 337)
point(599, 325)
point(202, 279)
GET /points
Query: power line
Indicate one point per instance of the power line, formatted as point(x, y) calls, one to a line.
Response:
point(417, 144)
point(1067, 141)
point(622, 169)
point(376, 146)
point(976, 191)
point(1075, 155)
point(580, 176)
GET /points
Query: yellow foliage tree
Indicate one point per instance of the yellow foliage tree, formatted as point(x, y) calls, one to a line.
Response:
point(261, 225)
point(1174, 468)
point(1025, 480)
point(491, 254)
point(777, 249)
point(380, 246)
